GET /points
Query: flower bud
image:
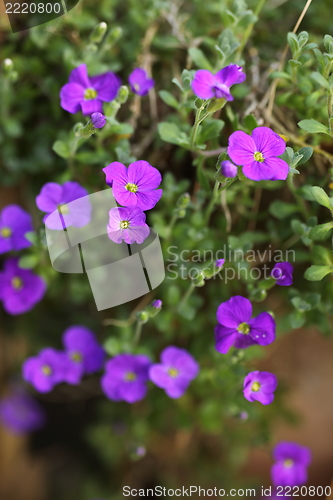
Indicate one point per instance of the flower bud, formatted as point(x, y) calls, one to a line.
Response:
point(98, 33)
point(77, 127)
point(142, 317)
point(183, 200)
point(154, 308)
point(199, 279)
point(122, 94)
point(213, 268)
point(98, 120)
point(7, 66)
point(114, 35)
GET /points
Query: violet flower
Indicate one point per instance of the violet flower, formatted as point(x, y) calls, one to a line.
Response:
point(128, 224)
point(14, 224)
point(83, 351)
point(55, 198)
point(20, 413)
point(292, 461)
point(20, 289)
point(236, 328)
point(219, 262)
point(282, 272)
point(260, 386)
point(87, 94)
point(206, 85)
point(258, 153)
point(136, 185)
point(139, 82)
point(46, 370)
point(175, 372)
point(126, 378)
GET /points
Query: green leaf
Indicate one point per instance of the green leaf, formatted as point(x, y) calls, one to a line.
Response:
point(28, 261)
point(32, 237)
point(317, 77)
point(306, 152)
point(280, 74)
point(300, 304)
point(210, 130)
point(313, 299)
point(200, 59)
point(313, 127)
point(281, 209)
point(320, 232)
point(297, 319)
point(169, 132)
point(317, 273)
point(62, 149)
point(168, 98)
point(321, 197)
point(321, 256)
point(250, 123)
point(293, 42)
point(294, 64)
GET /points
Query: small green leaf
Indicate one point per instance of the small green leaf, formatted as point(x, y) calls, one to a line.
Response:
point(200, 59)
point(297, 319)
point(62, 149)
point(28, 261)
point(210, 130)
point(168, 98)
point(250, 123)
point(32, 237)
point(321, 256)
point(317, 77)
point(317, 273)
point(169, 132)
point(306, 152)
point(320, 232)
point(300, 304)
point(321, 197)
point(313, 127)
point(281, 209)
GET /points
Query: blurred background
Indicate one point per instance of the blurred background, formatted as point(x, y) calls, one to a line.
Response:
point(90, 447)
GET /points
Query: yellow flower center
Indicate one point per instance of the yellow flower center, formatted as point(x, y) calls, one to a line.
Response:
point(46, 370)
point(288, 463)
point(90, 94)
point(6, 232)
point(255, 387)
point(258, 156)
point(17, 283)
point(76, 356)
point(130, 376)
point(243, 328)
point(63, 209)
point(131, 187)
point(124, 224)
point(173, 372)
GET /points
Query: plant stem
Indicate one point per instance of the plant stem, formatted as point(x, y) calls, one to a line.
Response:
point(216, 192)
point(249, 29)
point(298, 198)
point(329, 110)
point(198, 120)
point(137, 334)
point(186, 296)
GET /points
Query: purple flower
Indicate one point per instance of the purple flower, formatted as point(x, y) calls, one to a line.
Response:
point(219, 262)
point(228, 169)
point(236, 328)
point(157, 304)
point(46, 370)
point(136, 185)
point(20, 289)
point(174, 374)
point(292, 461)
point(20, 413)
point(128, 224)
point(126, 377)
point(14, 224)
point(260, 386)
point(55, 198)
point(139, 82)
point(88, 93)
point(206, 85)
point(83, 351)
point(98, 120)
point(258, 154)
point(282, 272)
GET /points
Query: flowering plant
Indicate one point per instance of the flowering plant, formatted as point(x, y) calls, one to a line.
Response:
point(224, 150)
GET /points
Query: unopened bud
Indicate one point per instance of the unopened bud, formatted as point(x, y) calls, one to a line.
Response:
point(98, 33)
point(114, 35)
point(7, 66)
point(122, 94)
point(183, 200)
point(199, 279)
point(142, 317)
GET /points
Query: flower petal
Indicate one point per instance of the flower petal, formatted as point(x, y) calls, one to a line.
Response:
point(262, 329)
point(71, 96)
point(224, 338)
point(144, 175)
point(230, 75)
point(268, 142)
point(91, 106)
point(107, 86)
point(234, 311)
point(203, 84)
point(241, 148)
point(80, 75)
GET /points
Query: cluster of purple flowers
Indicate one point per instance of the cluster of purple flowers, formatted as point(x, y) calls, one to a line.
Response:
point(291, 464)
point(126, 375)
point(20, 413)
point(82, 355)
point(135, 188)
point(88, 93)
